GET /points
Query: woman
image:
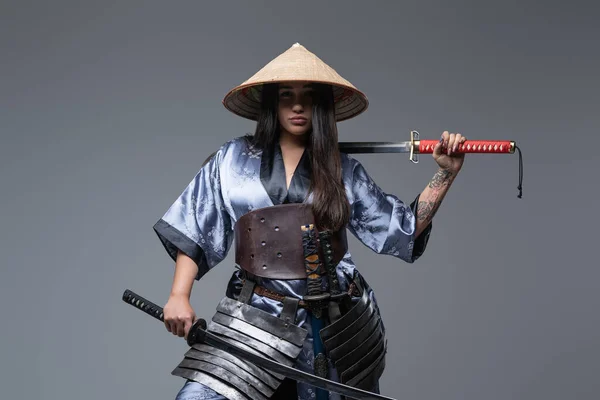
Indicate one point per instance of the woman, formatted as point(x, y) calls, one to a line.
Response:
point(290, 162)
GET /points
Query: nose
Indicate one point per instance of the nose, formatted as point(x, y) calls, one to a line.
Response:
point(298, 107)
point(300, 101)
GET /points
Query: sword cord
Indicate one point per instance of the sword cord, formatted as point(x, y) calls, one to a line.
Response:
point(520, 187)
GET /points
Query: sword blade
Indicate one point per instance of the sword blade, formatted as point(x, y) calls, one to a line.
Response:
point(199, 334)
point(374, 147)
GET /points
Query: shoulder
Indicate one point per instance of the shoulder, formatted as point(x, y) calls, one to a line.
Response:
point(354, 176)
point(232, 149)
point(351, 166)
point(236, 145)
point(357, 179)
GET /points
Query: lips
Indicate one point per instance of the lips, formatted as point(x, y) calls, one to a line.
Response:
point(298, 121)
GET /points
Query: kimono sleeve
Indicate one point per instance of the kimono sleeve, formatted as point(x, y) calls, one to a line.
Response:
point(382, 221)
point(198, 223)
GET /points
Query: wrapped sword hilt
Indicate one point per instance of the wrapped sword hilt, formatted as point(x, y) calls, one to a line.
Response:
point(427, 146)
point(142, 304)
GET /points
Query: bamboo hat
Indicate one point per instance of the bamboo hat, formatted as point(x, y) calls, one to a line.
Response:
point(296, 64)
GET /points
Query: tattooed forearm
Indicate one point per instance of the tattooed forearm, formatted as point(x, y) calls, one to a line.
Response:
point(426, 210)
point(440, 179)
point(431, 198)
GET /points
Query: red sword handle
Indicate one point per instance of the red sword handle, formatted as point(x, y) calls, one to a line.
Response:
point(469, 146)
point(418, 146)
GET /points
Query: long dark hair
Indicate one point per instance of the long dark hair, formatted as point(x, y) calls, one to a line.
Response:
point(330, 204)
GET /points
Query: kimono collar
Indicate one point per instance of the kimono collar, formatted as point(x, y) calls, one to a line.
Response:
point(272, 176)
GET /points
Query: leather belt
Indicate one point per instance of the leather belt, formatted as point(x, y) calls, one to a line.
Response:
point(311, 304)
point(268, 242)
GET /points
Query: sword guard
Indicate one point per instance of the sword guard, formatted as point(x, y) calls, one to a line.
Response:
point(414, 144)
point(316, 303)
point(197, 332)
point(316, 297)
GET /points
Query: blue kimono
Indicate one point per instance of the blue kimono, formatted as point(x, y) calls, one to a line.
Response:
point(240, 178)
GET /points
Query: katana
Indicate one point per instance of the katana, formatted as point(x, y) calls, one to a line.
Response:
point(416, 146)
point(199, 334)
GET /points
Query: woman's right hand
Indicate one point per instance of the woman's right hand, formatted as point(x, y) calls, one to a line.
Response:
point(179, 315)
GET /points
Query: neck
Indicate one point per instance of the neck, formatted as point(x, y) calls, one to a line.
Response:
point(290, 141)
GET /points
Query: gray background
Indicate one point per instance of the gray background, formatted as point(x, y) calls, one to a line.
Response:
point(107, 110)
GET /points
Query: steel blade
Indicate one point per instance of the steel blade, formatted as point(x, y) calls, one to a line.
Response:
point(374, 147)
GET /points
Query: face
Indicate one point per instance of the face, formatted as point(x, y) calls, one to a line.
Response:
point(295, 107)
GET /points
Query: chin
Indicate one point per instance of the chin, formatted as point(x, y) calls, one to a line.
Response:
point(299, 133)
point(298, 130)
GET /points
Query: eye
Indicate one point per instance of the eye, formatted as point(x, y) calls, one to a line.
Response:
point(285, 93)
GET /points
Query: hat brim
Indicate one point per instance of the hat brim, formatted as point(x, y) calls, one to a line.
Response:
point(244, 100)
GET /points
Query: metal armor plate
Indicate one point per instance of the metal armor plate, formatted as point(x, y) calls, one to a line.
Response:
point(255, 331)
point(356, 344)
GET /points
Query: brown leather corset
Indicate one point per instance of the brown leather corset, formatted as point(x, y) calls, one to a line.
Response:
point(268, 241)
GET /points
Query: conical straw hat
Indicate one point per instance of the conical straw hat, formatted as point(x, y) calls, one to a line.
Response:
point(296, 64)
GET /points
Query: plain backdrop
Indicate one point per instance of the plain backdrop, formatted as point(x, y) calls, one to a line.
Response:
point(108, 108)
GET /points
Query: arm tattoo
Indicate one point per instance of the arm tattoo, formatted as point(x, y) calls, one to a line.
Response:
point(440, 179)
point(427, 209)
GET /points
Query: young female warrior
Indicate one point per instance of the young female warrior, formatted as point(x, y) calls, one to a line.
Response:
point(287, 195)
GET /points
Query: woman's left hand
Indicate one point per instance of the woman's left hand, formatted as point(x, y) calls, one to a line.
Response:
point(444, 152)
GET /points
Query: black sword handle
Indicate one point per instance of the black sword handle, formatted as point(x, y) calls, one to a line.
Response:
point(156, 311)
point(143, 304)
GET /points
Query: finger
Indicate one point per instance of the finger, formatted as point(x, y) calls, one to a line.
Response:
point(173, 326)
point(180, 327)
point(445, 136)
point(170, 324)
point(451, 143)
point(437, 149)
point(457, 141)
point(186, 328)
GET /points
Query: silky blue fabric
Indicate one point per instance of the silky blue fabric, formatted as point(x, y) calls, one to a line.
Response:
point(200, 223)
point(196, 391)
